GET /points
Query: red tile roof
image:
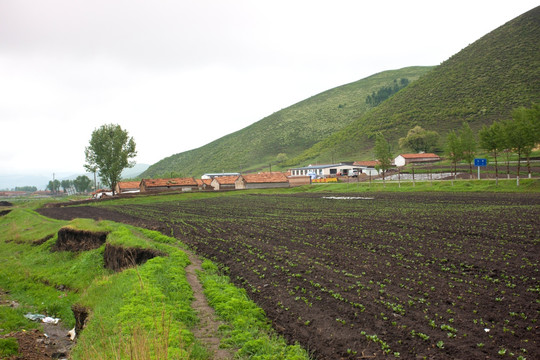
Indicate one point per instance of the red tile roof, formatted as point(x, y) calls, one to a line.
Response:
point(266, 177)
point(371, 163)
point(200, 182)
point(128, 184)
point(226, 180)
point(169, 182)
point(421, 156)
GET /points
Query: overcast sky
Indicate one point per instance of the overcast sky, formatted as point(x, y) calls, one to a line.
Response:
point(180, 74)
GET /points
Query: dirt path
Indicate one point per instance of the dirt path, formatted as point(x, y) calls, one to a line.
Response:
point(207, 331)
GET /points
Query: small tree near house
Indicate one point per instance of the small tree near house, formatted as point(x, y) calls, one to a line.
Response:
point(468, 146)
point(453, 149)
point(420, 140)
point(521, 134)
point(492, 140)
point(383, 154)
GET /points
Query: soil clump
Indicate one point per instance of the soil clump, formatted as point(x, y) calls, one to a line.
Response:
point(4, 212)
point(118, 258)
point(81, 315)
point(70, 239)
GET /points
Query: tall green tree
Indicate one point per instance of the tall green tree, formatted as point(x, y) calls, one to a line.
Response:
point(383, 154)
point(507, 147)
point(468, 145)
point(418, 139)
point(492, 139)
point(53, 185)
point(82, 183)
point(453, 149)
point(521, 135)
point(66, 184)
point(535, 119)
point(110, 151)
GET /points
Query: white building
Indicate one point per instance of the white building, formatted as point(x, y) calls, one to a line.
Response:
point(404, 159)
point(315, 171)
point(368, 167)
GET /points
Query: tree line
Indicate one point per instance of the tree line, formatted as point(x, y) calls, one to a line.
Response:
point(518, 135)
point(385, 92)
point(81, 184)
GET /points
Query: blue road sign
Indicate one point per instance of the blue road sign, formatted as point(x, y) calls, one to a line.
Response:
point(480, 162)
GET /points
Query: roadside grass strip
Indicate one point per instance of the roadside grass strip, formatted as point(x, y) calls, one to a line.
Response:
point(247, 327)
point(145, 310)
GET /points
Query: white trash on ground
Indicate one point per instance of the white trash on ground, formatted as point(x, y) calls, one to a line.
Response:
point(50, 320)
point(42, 318)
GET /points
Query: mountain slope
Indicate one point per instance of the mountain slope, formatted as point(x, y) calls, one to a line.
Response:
point(480, 84)
point(288, 131)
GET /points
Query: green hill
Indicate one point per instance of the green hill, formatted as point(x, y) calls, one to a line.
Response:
point(287, 132)
point(479, 85)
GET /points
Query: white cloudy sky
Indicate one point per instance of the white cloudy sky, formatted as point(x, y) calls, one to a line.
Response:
point(179, 74)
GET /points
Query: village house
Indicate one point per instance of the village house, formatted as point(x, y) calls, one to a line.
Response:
point(123, 187)
point(224, 182)
point(262, 180)
point(100, 193)
point(367, 167)
point(299, 180)
point(183, 184)
point(204, 184)
point(404, 159)
point(331, 170)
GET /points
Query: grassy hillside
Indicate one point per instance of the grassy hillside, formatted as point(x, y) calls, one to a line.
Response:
point(480, 84)
point(288, 131)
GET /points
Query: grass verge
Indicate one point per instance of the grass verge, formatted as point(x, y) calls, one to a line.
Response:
point(247, 327)
point(142, 312)
point(526, 186)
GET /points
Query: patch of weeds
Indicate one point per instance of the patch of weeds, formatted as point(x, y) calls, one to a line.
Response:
point(8, 347)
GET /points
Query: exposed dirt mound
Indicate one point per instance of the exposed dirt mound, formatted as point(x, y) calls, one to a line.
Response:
point(81, 314)
point(42, 240)
point(4, 212)
point(70, 239)
point(118, 258)
point(35, 345)
point(5, 203)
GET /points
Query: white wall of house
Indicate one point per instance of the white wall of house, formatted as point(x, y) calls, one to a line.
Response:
point(344, 169)
point(400, 161)
point(369, 171)
point(327, 171)
point(306, 172)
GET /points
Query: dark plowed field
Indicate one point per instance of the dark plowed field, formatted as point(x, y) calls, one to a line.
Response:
point(440, 276)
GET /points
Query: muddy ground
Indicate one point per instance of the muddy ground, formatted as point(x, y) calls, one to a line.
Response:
point(49, 342)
